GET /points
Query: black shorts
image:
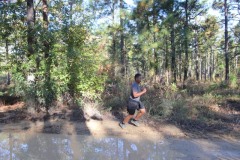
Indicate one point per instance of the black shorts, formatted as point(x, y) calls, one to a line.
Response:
point(133, 106)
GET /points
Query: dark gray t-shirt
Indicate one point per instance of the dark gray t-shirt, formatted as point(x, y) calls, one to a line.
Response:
point(135, 88)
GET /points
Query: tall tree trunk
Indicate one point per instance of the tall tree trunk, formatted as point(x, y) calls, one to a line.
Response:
point(47, 57)
point(205, 69)
point(180, 61)
point(211, 64)
point(31, 43)
point(201, 69)
point(71, 56)
point(45, 26)
point(226, 41)
point(114, 56)
point(186, 41)
point(30, 23)
point(156, 61)
point(123, 58)
point(236, 65)
point(197, 57)
point(166, 60)
point(191, 65)
point(166, 54)
point(156, 68)
point(7, 60)
point(31, 35)
point(7, 49)
point(173, 51)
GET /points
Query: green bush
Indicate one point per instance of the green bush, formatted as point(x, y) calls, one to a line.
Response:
point(180, 110)
point(116, 94)
point(20, 85)
point(233, 81)
point(212, 87)
point(223, 84)
point(174, 87)
point(162, 108)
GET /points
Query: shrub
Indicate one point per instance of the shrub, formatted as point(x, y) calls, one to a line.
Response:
point(180, 110)
point(233, 81)
point(20, 85)
point(116, 94)
point(162, 108)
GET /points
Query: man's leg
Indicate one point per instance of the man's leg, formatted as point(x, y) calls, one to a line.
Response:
point(126, 119)
point(140, 113)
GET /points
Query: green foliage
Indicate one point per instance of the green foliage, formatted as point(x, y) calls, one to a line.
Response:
point(116, 94)
point(174, 87)
point(163, 108)
point(19, 88)
point(233, 81)
point(83, 79)
point(180, 111)
point(223, 85)
point(72, 64)
point(80, 46)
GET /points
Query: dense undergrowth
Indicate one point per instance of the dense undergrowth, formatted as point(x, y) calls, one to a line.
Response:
point(199, 106)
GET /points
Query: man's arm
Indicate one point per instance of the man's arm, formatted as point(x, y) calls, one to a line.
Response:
point(136, 94)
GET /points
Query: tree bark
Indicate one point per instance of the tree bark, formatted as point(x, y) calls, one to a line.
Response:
point(226, 41)
point(173, 51)
point(206, 61)
point(166, 60)
point(47, 57)
point(201, 69)
point(30, 23)
point(211, 64)
point(114, 56)
point(123, 58)
point(45, 26)
point(197, 57)
point(7, 60)
point(156, 61)
point(186, 41)
point(180, 62)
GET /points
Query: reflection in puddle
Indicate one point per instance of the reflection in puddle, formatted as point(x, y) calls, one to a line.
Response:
point(64, 147)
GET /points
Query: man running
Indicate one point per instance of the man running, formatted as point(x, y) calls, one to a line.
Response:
point(134, 103)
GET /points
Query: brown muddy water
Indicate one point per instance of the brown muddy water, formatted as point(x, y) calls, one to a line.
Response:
point(24, 146)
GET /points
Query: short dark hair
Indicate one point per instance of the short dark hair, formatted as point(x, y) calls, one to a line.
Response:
point(137, 76)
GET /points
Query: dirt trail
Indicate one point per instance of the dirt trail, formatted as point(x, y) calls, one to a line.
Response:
point(106, 140)
point(93, 127)
point(16, 118)
point(73, 137)
point(105, 128)
point(62, 120)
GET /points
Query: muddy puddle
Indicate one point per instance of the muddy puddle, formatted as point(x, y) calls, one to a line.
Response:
point(24, 146)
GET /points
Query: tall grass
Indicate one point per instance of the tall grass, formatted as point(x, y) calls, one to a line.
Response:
point(190, 107)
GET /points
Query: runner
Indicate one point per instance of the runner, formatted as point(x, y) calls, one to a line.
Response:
point(135, 103)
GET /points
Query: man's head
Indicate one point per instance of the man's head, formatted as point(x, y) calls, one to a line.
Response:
point(138, 77)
